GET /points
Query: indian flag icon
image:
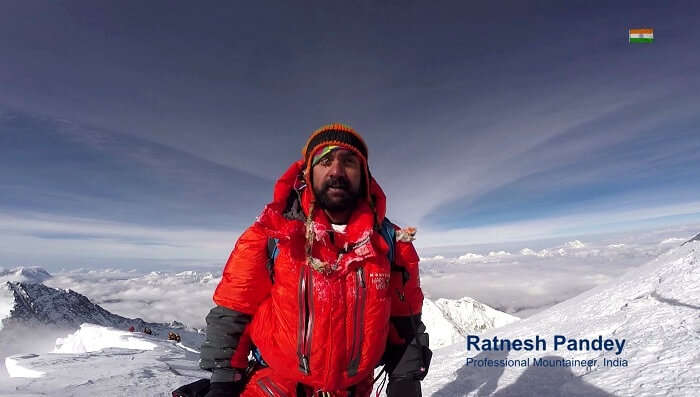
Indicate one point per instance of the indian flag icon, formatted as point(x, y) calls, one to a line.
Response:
point(641, 35)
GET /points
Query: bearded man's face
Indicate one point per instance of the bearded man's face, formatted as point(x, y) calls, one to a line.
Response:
point(337, 179)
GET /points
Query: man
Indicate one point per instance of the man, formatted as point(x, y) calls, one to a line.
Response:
point(322, 312)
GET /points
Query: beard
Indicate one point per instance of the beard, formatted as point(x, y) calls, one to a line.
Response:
point(337, 202)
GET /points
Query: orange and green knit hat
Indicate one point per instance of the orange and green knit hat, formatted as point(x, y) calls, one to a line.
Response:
point(334, 136)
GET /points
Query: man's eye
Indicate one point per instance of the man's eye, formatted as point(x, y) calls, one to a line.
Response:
point(325, 161)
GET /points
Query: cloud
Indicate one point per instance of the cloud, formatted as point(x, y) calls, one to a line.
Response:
point(530, 280)
point(541, 253)
point(575, 244)
point(673, 240)
point(107, 242)
point(519, 283)
point(565, 150)
point(469, 257)
point(613, 220)
point(156, 296)
point(564, 121)
point(64, 168)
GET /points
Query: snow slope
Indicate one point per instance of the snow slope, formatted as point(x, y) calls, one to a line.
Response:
point(92, 338)
point(449, 321)
point(7, 302)
point(32, 316)
point(100, 361)
point(656, 308)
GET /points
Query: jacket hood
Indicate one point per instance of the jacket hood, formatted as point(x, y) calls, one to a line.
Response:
point(294, 179)
point(280, 220)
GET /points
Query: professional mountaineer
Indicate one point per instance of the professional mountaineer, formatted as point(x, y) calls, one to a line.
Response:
point(310, 288)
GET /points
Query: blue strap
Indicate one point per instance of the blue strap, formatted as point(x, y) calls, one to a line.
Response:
point(257, 356)
point(387, 231)
point(272, 250)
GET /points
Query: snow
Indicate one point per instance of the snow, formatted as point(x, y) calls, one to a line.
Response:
point(124, 369)
point(91, 338)
point(672, 240)
point(189, 349)
point(7, 302)
point(99, 360)
point(536, 277)
point(654, 308)
point(471, 316)
point(575, 244)
point(25, 274)
point(450, 321)
point(17, 371)
point(36, 315)
point(442, 331)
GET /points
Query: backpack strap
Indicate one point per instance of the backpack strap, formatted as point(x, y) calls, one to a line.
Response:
point(272, 252)
point(389, 233)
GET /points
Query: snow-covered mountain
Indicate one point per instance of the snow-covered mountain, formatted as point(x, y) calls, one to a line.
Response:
point(449, 321)
point(37, 303)
point(655, 309)
point(88, 357)
point(21, 304)
point(30, 305)
point(696, 238)
point(26, 274)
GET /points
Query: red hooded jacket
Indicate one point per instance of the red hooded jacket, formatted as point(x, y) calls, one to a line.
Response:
point(327, 330)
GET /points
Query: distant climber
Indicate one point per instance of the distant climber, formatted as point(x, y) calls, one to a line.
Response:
point(173, 336)
point(147, 331)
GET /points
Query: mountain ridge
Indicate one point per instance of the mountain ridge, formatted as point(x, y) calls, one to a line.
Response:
point(654, 308)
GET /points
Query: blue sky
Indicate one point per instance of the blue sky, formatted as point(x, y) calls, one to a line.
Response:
point(152, 133)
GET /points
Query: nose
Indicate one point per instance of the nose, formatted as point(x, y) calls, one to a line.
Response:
point(337, 168)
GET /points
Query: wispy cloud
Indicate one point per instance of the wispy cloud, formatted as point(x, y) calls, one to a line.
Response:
point(55, 241)
point(569, 225)
point(470, 143)
point(64, 168)
point(583, 148)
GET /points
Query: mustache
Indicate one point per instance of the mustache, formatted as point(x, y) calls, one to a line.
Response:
point(338, 183)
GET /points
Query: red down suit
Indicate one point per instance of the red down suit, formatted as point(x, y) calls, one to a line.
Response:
point(326, 330)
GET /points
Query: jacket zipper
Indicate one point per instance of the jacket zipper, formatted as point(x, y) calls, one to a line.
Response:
point(306, 319)
point(358, 321)
point(270, 388)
